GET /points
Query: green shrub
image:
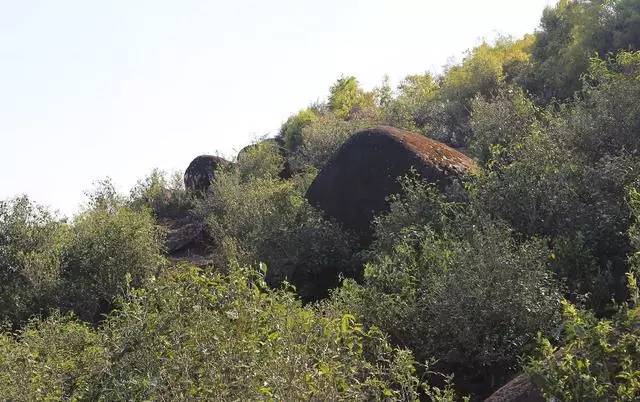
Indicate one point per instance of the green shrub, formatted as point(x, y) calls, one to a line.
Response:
point(291, 130)
point(570, 34)
point(196, 336)
point(321, 139)
point(472, 300)
point(111, 246)
point(347, 98)
point(519, 191)
point(419, 204)
point(31, 242)
point(500, 123)
point(484, 69)
point(415, 107)
point(50, 360)
point(565, 178)
point(268, 220)
point(598, 360)
point(606, 120)
point(165, 196)
point(260, 160)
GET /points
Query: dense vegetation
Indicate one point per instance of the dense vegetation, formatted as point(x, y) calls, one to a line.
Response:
point(530, 265)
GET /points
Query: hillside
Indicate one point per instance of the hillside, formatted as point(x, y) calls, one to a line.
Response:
point(462, 235)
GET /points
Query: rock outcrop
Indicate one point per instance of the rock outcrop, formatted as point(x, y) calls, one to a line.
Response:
point(201, 171)
point(186, 240)
point(520, 389)
point(354, 185)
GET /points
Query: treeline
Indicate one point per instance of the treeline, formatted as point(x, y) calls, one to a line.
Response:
point(530, 265)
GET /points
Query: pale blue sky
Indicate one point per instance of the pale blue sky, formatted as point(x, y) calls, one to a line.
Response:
point(90, 88)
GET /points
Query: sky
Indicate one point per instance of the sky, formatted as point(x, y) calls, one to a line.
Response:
point(93, 89)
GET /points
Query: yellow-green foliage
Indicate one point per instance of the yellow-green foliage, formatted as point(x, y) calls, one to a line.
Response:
point(53, 360)
point(347, 97)
point(260, 160)
point(196, 336)
point(483, 69)
point(481, 73)
point(321, 139)
point(291, 130)
point(599, 360)
point(191, 335)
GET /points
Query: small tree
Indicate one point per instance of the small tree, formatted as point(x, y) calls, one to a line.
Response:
point(111, 247)
point(31, 243)
point(346, 97)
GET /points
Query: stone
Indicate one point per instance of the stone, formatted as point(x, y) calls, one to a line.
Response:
point(354, 185)
point(201, 172)
point(520, 389)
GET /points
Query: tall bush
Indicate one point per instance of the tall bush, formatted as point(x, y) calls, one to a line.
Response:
point(31, 244)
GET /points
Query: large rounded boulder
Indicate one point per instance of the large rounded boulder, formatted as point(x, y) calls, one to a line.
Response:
point(201, 172)
point(354, 185)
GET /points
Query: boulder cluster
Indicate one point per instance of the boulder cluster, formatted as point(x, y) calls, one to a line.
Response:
point(351, 189)
point(355, 184)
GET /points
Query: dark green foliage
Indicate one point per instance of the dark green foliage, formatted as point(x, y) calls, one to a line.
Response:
point(606, 122)
point(456, 288)
point(164, 196)
point(545, 191)
point(518, 190)
point(110, 248)
point(473, 304)
point(598, 360)
point(420, 204)
point(574, 31)
point(501, 123)
point(31, 242)
point(268, 220)
point(565, 178)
